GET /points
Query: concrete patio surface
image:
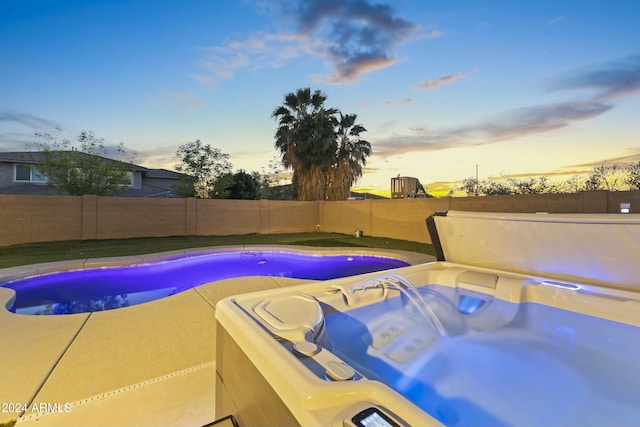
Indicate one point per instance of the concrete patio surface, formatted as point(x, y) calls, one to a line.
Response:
point(150, 364)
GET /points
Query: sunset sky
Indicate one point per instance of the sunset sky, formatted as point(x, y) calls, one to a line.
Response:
point(519, 88)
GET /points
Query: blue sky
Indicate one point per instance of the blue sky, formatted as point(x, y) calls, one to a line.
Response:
point(516, 87)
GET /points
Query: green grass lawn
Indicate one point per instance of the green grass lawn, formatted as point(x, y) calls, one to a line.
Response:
point(34, 253)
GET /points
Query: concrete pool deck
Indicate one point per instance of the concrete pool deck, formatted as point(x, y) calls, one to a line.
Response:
point(144, 365)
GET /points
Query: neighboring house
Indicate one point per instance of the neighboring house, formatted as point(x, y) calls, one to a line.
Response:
point(19, 174)
point(365, 196)
point(285, 192)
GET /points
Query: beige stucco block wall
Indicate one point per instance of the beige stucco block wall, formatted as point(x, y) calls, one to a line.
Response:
point(226, 217)
point(614, 199)
point(482, 204)
point(122, 217)
point(571, 203)
point(25, 219)
point(346, 217)
point(404, 219)
point(89, 216)
point(583, 202)
point(292, 217)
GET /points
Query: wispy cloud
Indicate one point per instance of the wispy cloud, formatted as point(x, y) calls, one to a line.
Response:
point(181, 100)
point(556, 20)
point(513, 124)
point(14, 136)
point(15, 141)
point(611, 81)
point(432, 84)
point(405, 101)
point(353, 36)
point(429, 35)
point(258, 51)
point(630, 158)
point(27, 119)
point(158, 157)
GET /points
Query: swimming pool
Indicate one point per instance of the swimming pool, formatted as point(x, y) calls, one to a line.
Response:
point(110, 287)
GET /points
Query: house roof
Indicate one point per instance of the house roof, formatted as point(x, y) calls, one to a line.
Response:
point(21, 157)
point(44, 190)
point(162, 173)
point(35, 157)
point(28, 189)
point(355, 195)
point(147, 188)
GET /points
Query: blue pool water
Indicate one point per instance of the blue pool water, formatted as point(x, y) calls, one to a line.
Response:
point(107, 288)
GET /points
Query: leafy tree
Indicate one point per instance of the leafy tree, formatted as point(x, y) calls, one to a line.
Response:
point(82, 169)
point(632, 178)
point(274, 176)
point(485, 187)
point(208, 169)
point(318, 146)
point(615, 177)
point(273, 181)
point(611, 177)
point(221, 189)
point(539, 185)
point(470, 186)
point(245, 186)
point(185, 186)
point(593, 181)
point(491, 187)
point(501, 186)
point(573, 185)
point(606, 177)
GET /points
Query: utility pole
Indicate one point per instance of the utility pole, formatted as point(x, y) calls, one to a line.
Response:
point(477, 182)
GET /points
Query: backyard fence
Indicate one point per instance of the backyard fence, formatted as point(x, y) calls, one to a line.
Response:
point(25, 219)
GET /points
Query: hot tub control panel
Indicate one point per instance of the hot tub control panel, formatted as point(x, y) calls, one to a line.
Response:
point(372, 417)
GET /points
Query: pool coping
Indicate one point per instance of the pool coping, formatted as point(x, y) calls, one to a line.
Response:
point(78, 359)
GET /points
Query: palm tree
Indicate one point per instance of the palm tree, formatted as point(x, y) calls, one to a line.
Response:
point(306, 141)
point(325, 151)
point(351, 157)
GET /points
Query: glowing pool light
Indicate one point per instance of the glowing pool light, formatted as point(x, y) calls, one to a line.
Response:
point(561, 285)
point(106, 288)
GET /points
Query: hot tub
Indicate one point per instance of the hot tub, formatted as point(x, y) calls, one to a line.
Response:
point(543, 333)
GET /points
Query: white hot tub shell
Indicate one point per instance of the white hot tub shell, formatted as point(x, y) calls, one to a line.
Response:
point(544, 332)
